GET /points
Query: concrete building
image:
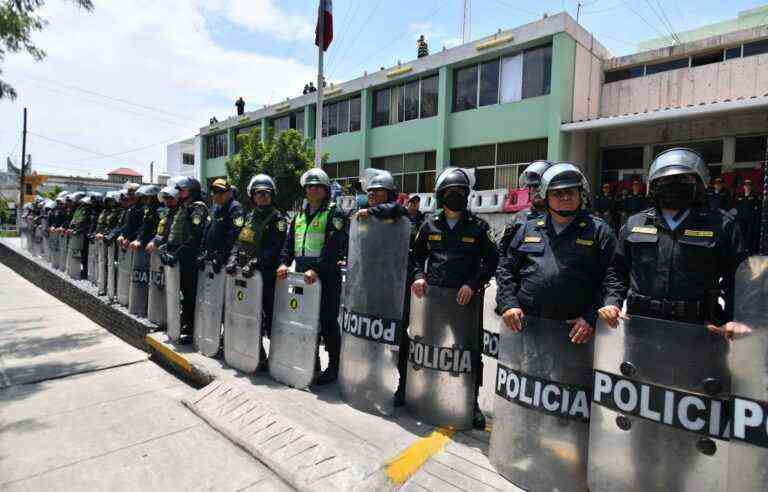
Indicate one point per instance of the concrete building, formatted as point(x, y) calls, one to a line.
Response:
point(547, 89)
point(124, 175)
point(79, 183)
point(181, 159)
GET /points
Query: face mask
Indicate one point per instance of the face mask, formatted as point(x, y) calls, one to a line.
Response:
point(455, 201)
point(674, 195)
point(567, 213)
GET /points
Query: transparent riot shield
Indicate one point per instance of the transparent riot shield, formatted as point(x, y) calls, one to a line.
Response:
point(295, 329)
point(209, 311)
point(101, 266)
point(37, 235)
point(243, 321)
point(75, 256)
point(46, 249)
point(748, 454)
point(124, 261)
point(444, 342)
point(156, 297)
point(63, 252)
point(53, 243)
point(659, 408)
point(541, 421)
point(372, 321)
point(112, 270)
point(138, 295)
point(173, 300)
point(490, 348)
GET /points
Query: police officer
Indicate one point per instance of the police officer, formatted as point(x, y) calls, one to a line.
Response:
point(165, 214)
point(107, 219)
point(80, 225)
point(635, 201)
point(415, 215)
point(718, 197)
point(604, 204)
point(566, 250)
point(224, 223)
point(531, 179)
point(748, 207)
point(259, 244)
point(130, 221)
point(675, 260)
point(454, 249)
point(147, 200)
point(317, 240)
point(95, 203)
point(183, 245)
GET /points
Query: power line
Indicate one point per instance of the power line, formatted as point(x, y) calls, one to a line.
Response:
point(362, 26)
point(137, 149)
point(661, 21)
point(645, 21)
point(515, 7)
point(333, 58)
point(67, 144)
point(671, 28)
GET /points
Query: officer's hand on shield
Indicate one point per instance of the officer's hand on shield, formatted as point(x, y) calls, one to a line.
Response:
point(231, 267)
point(282, 272)
point(362, 213)
point(99, 236)
point(513, 318)
point(120, 240)
point(216, 264)
point(581, 331)
point(419, 287)
point(201, 260)
point(732, 330)
point(135, 245)
point(611, 315)
point(310, 277)
point(465, 295)
point(248, 270)
point(151, 248)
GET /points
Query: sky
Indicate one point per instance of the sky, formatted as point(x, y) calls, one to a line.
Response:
point(122, 82)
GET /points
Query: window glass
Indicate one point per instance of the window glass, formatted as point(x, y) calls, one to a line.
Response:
point(429, 91)
point(427, 182)
point(628, 73)
point(393, 164)
point(711, 150)
point(395, 105)
point(511, 78)
point(522, 152)
point(216, 146)
point(410, 183)
point(483, 155)
point(626, 158)
point(188, 159)
point(707, 58)
point(343, 109)
point(756, 48)
point(666, 66)
point(484, 178)
point(333, 118)
point(489, 83)
point(326, 120)
point(348, 169)
point(414, 162)
point(734, 52)
point(750, 149)
point(411, 101)
point(299, 124)
point(354, 114)
point(331, 169)
point(241, 132)
point(381, 107)
point(537, 71)
point(465, 88)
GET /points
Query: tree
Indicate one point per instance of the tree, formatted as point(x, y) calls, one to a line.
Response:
point(285, 158)
point(18, 22)
point(5, 211)
point(53, 193)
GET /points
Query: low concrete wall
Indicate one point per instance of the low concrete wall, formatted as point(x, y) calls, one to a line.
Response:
point(80, 295)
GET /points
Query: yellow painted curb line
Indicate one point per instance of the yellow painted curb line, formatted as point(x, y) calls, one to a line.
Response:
point(404, 465)
point(169, 354)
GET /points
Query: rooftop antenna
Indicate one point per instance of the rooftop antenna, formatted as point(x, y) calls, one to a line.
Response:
point(466, 22)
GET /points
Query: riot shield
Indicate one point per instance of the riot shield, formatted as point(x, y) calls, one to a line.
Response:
point(659, 408)
point(173, 300)
point(92, 262)
point(63, 252)
point(53, 244)
point(490, 350)
point(156, 297)
point(295, 328)
point(40, 241)
point(112, 270)
point(101, 266)
point(139, 289)
point(442, 348)
point(75, 256)
point(541, 422)
point(209, 310)
point(46, 249)
point(124, 261)
point(372, 321)
point(243, 321)
point(748, 454)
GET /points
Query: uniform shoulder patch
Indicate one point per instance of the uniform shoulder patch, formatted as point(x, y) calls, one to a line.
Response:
point(585, 242)
point(645, 230)
point(281, 225)
point(468, 240)
point(435, 237)
point(692, 233)
point(239, 221)
point(532, 239)
point(338, 223)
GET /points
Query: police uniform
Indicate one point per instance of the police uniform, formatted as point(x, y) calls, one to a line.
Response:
point(633, 204)
point(81, 226)
point(184, 238)
point(258, 247)
point(165, 217)
point(604, 206)
point(149, 221)
point(318, 241)
point(222, 229)
point(539, 265)
point(676, 274)
point(719, 200)
point(748, 215)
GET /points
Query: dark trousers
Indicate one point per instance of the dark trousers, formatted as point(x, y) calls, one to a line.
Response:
point(189, 271)
point(84, 259)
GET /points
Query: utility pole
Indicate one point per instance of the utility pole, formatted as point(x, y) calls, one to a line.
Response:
point(320, 89)
point(578, 12)
point(21, 174)
point(466, 22)
point(152, 172)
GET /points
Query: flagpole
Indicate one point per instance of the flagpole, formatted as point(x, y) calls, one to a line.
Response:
point(320, 79)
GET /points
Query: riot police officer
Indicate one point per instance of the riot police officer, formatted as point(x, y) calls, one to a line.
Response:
point(147, 200)
point(223, 226)
point(531, 179)
point(106, 219)
point(260, 242)
point(675, 260)
point(748, 207)
point(80, 225)
point(317, 240)
point(415, 215)
point(635, 201)
point(565, 250)
point(454, 249)
point(604, 204)
point(165, 214)
point(718, 196)
point(130, 221)
point(184, 240)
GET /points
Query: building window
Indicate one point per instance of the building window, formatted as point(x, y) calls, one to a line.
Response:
point(707, 58)
point(710, 150)
point(751, 149)
point(188, 159)
point(625, 74)
point(413, 173)
point(346, 173)
point(499, 165)
point(281, 124)
point(756, 48)
point(297, 122)
point(341, 116)
point(27, 188)
point(245, 130)
point(405, 102)
point(506, 79)
point(667, 66)
point(621, 163)
point(732, 53)
point(216, 146)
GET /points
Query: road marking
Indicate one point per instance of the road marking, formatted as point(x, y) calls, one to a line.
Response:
point(169, 354)
point(404, 465)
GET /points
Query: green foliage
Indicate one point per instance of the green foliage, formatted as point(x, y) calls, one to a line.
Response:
point(285, 158)
point(53, 193)
point(5, 211)
point(18, 22)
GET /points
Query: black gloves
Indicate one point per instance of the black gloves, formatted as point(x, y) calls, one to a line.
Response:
point(231, 267)
point(168, 259)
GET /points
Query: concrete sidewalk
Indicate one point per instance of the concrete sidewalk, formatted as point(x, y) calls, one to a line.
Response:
point(82, 410)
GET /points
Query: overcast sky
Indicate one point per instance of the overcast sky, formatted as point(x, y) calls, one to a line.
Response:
point(135, 75)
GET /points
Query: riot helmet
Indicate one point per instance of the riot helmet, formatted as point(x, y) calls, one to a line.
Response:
point(261, 182)
point(111, 197)
point(62, 195)
point(677, 179)
point(531, 176)
point(96, 198)
point(561, 176)
point(381, 180)
point(78, 196)
point(49, 204)
point(149, 190)
point(168, 192)
point(315, 176)
point(188, 183)
point(453, 178)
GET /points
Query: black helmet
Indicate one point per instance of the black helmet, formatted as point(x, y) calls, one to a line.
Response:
point(261, 182)
point(148, 190)
point(451, 177)
point(533, 173)
point(188, 183)
point(382, 180)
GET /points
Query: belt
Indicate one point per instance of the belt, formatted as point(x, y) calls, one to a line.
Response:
point(686, 311)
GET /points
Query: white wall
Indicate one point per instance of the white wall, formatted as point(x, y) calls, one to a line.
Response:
point(173, 159)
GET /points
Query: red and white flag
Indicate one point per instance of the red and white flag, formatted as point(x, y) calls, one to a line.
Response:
point(326, 10)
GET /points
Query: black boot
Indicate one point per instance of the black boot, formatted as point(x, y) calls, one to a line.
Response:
point(478, 420)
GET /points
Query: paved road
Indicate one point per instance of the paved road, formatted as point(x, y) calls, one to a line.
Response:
point(81, 410)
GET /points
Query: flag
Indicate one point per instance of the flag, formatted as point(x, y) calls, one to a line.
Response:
point(326, 10)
